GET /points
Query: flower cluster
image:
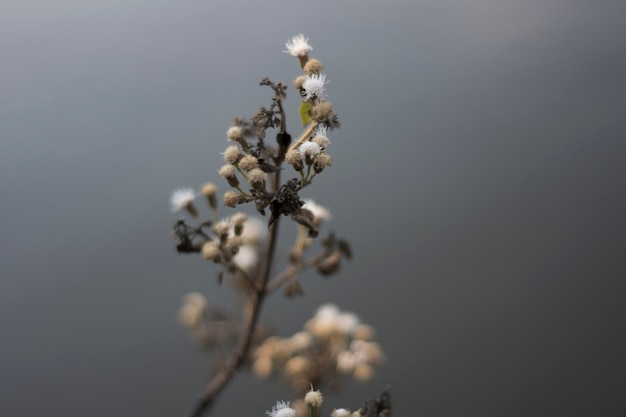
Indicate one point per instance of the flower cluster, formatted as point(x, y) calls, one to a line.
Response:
point(309, 154)
point(333, 343)
point(311, 405)
point(233, 242)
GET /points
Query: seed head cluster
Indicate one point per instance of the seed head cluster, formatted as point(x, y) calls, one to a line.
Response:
point(332, 343)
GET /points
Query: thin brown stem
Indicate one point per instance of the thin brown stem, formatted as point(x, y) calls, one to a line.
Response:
point(292, 270)
point(304, 135)
point(252, 308)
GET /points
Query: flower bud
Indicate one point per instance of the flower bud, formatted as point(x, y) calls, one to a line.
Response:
point(330, 265)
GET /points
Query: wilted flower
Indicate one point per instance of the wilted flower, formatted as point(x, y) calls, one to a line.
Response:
point(298, 46)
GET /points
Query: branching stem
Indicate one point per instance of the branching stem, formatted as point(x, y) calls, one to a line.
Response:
point(252, 308)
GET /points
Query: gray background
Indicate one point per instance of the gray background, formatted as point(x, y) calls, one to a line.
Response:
point(479, 173)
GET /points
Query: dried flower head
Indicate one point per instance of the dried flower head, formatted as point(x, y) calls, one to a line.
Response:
point(248, 163)
point(228, 171)
point(299, 82)
point(320, 137)
point(211, 251)
point(234, 134)
point(309, 149)
point(320, 213)
point(313, 398)
point(256, 176)
point(322, 111)
point(340, 412)
point(238, 219)
point(294, 158)
point(313, 66)
point(181, 198)
point(221, 228)
point(231, 199)
point(231, 155)
point(246, 258)
point(208, 189)
point(298, 46)
point(253, 230)
point(281, 409)
point(314, 86)
point(322, 161)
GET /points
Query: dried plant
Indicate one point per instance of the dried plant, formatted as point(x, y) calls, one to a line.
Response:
point(243, 247)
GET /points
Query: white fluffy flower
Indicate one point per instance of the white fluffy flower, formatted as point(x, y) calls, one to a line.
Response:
point(309, 149)
point(347, 322)
point(314, 86)
point(340, 412)
point(246, 258)
point(281, 409)
point(328, 312)
point(319, 212)
point(181, 198)
point(298, 46)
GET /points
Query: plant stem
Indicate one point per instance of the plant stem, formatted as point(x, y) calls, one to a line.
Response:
point(251, 309)
point(304, 135)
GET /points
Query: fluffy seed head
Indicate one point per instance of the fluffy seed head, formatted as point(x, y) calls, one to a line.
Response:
point(181, 198)
point(238, 219)
point(309, 149)
point(234, 133)
point(256, 176)
point(340, 412)
point(221, 228)
point(248, 163)
point(209, 189)
point(294, 158)
point(228, 171)
point(281, 409)
point(231, 199)
point(322, 161)
point(210, 251)
point(313, 398)
point(231, 154)
point(314, 86)
point(320, 213)
point(322, 111)
point(299, 82)
point(298, 46)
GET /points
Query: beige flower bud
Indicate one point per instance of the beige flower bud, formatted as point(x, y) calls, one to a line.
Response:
point(211, 251)
point(322, 111)
point(294, 158)
point(231, 199)
point(232, 154)
point(248, 163)
point(313, 66)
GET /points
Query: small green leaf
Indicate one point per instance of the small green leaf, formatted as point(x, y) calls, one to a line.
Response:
point(305, 113)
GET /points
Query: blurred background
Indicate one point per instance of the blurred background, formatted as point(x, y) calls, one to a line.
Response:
point(479, 174)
